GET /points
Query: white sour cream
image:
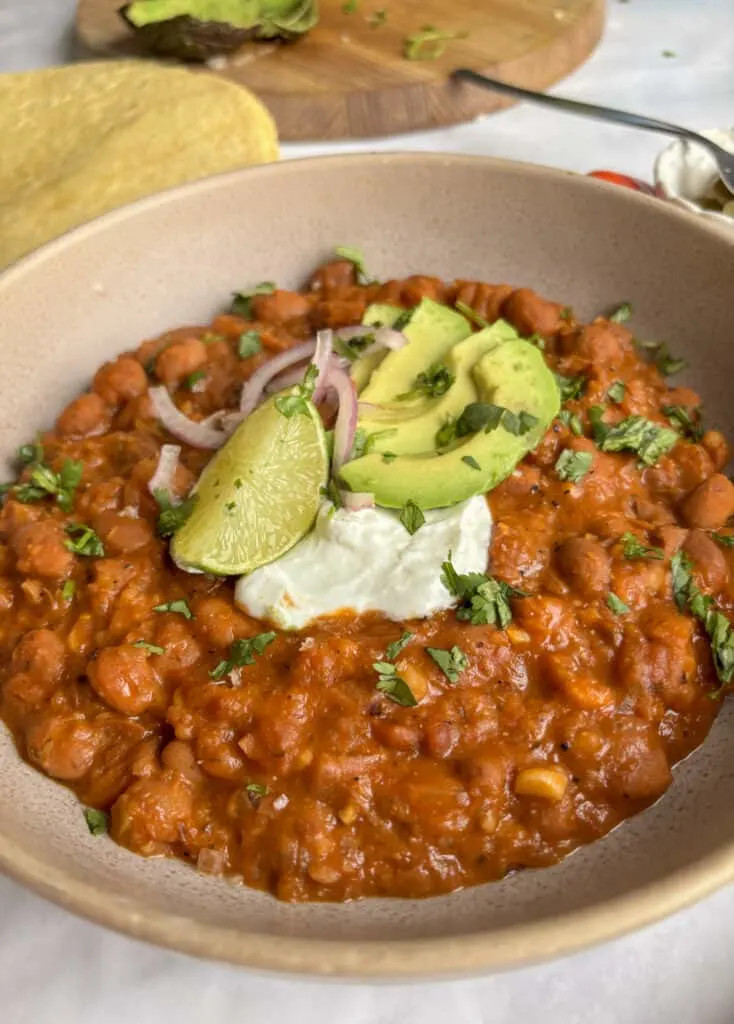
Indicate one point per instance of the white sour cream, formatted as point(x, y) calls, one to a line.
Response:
point(367, 561)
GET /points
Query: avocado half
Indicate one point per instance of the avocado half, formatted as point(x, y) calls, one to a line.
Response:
point(195, 30)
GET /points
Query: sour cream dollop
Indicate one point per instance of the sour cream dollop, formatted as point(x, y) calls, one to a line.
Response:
point(367, 561)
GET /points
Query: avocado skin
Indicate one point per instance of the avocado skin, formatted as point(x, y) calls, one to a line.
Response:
point(193, 39)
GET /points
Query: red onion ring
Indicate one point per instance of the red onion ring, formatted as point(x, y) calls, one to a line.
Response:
point(162, 479)
point(254, 387)
point(209, 433)
point(346, 418)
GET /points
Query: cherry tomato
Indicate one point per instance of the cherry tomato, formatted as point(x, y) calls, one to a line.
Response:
point(614, 178)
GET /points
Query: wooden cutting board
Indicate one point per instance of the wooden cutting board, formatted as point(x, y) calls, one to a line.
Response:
point(349, 79)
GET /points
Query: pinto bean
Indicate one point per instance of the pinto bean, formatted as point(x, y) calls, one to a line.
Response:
point(40, 652)
point(86, 415)
point(40, 550)
point(333, 275)
point(63, 745)
point(710, 504)
point(122, 534)
point(585, 565)
point(121, 380)
point(124, 677)
point(179, 360)
point(529, 313)
point(709, 561)
point(280, 306)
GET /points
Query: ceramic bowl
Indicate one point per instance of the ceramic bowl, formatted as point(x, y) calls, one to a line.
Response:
point(174, 259)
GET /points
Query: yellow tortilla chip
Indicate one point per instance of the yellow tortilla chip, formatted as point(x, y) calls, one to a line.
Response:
point(83, 139)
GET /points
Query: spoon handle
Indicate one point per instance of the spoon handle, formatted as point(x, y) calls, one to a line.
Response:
point(577, 107)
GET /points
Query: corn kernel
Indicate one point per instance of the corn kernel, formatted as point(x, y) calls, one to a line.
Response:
point(546, 783)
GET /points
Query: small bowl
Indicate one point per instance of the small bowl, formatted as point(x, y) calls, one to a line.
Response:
point(175, 258)
point(686, 173)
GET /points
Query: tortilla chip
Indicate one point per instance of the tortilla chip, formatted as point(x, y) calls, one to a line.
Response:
point(83, 139)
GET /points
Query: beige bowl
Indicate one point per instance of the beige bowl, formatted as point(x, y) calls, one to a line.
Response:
point(175, 258)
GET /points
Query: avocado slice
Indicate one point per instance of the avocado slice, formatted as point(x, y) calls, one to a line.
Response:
point(198, 29)
point(432, 332)
point(513, 375)
point(378, 314)
point(414, 424)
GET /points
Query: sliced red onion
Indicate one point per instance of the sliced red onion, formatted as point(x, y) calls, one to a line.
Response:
point(254, 387)
point(209, 433)
point(162, 479)
point(355, 501)
point(286, 379)
point(321, 358)
point(346, 418)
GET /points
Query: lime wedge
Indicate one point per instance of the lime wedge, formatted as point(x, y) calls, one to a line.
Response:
point(259, 494)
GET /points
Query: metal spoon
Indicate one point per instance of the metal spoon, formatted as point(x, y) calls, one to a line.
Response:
point(724, 160)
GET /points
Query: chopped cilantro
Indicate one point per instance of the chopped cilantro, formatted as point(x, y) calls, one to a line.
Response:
point(687, 421)
point(28, 454)
point(636, 434)
point(411, 516)
point(331, 492)
point(256, 789)
point(487, 417)
point(248, 344)
point(194, 378)
point(616, 605)
point(680, 567)
point(573, 466)
point(96, 821)
point(566, 313)
point(621, 314)
point(633, 548)
point(393, 650)
point(83, 540)
point(389, 456)
point(665, 362)
point(433, 383)
point(242, 653)
point(518, 423)
point(359, 445)
point(469, 313)
point(572, 421)
point(350, 6)
point(68, 590)
point(717, 626)
point(429, 43)
point(172, 517)
point(390, 683)
point(354, 347)
point(44, 481)
point(299, 397)
point(176, 608)
point(725, 539)
point(483, 600)
point(242, 302)
point(446, 434)
point(470, 461)
point(403, 319)
point(452, 663)
point(377, 18)
point(150, 648)
point(616, 391)
point(570, 387)
point(356, 258)
point(669, 53)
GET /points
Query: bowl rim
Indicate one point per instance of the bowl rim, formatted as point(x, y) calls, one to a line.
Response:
point(373, 959)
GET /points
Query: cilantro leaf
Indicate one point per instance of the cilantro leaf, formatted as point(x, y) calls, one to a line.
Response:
point(633, 548)
point(242, 652)
point(687, 421)
point(573, 466)
point(256, 789)
point(390, 683)
point(725, 539)
point(28, 454)
point(354, 347)
point(44, 481)
point(570, 388)
point(150, 648)
point(470, 461)
point(636, 434)
point(452, 662)
point(403, 319)
point(297, 400)
point(242, 302)
point(479, 416)
point(483, 600)
point(621, 314)
point(96, 821)
point(518, 423)
point(433, 382)
point(428, 44)
point(393, 650)
point(411, 516)
point(175, 607)
point(172, 517)
point(572, 421)
point(83, 540)
point(680, 566)
point(469, 313)
point(249, 344)
point(616, 605)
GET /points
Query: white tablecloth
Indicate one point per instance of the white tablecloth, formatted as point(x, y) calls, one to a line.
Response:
point(55, 969)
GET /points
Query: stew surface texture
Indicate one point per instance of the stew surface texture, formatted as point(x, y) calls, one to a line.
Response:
point(300, 776)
